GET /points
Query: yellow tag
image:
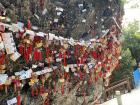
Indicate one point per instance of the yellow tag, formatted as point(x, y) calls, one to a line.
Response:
point(62, 80)
point(45, 94)
point(2, 18)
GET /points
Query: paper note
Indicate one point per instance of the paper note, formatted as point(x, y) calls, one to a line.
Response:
point(12, 101)
point(15, 56)
point(59, 9)
point(3, 78)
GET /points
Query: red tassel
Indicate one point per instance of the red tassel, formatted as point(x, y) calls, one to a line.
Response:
point(32, 91)
point(66, 75)
point(36, 92)
point(90, 81)
point(21, 49)
point(62, 89)
point(37, 55)
point(110, 45)
point(81, 75)
point(21, 33)
point(29, 24)
point(85, 56)
point(108, 69)
point(30, 49)
point(46, 102)
point(47, 55)
point(76, 50)
point(42, 89)
point(47, 52)
point(60, 55)
point(94, 54)
point(104, 75)
point(82, 60)
point(54, 86)
point(96, 79)
point(1, 87)
point(18, 100)
point(77, 61)
point(26, 55)
point(100, 74)
point(2, 58)
point(64, 57)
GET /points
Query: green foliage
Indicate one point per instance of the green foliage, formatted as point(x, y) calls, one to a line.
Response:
point(129, 31)
point(124, 1)
point(132, 39)
point(130, 52)
point(126, 66)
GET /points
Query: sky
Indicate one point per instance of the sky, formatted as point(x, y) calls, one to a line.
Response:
point(131, 14)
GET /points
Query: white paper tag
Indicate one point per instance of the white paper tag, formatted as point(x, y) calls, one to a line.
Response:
point(3, 78)
point(15, 56)
point(84, 10)
point(59, 9)
point(8, 43)
point(44, 11)
point(59, 13)
point(1, 45)
point(80, 5)
point(56, 20)
point(12, 101)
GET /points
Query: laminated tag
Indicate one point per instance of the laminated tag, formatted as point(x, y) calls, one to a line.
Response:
point(12, 101)
point(15, 56)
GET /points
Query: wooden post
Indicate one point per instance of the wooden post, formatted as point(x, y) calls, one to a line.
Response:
point(129, 87)
point(118, 96)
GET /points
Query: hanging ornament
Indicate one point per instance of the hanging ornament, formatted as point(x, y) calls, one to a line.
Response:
point(29, 24)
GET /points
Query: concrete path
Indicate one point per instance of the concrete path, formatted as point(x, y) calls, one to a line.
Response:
point(132, 98)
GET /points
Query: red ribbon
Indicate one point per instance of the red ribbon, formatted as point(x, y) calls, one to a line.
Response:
point(78, 63)
point(46, 102)
point(100, 74)
point(37, 55)
point(64, 58)
point(2, 58)
point(18, 100)
point(26, 55)
point(30, 49)
point(82, 60)
point(29, 24)
point(76, 50)
point(94, 54)
point(54, 86)
point(1, 87)
point(62, 89)
point(47, 55)
point(42, 89)
point(21, 49)
point(34, 91)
